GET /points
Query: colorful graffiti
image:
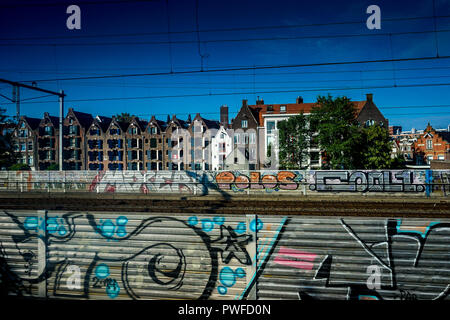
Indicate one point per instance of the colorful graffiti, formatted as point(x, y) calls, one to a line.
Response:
point(128, 256)
point(426, 182)
point(131, 256)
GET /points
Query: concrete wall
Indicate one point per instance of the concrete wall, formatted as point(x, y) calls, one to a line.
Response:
point(104, 255)
point(310, 182)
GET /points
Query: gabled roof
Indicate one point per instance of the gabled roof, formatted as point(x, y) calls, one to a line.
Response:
point(210, 124)
point(85, 119)
point(140, 123)
point(103, 121)
point(122, 125)
point(161, 124)
point(259, 110)
point(32, 122)
point(53, 120)
point(181, 123)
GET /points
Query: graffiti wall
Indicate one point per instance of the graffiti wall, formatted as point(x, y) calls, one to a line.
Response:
point(102, 255)
point(406, 182)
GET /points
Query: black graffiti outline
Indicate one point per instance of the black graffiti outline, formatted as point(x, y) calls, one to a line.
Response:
point(231, 240)
point(364, 181)
point(355, 290)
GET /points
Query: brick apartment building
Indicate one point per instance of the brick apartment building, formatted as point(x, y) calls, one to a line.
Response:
point(48, 142)
point(432, 145)
point(75, 126)
point(154, 146)
point(104, 143)
point(96, 143)
point(25, 140)
point(262, 119)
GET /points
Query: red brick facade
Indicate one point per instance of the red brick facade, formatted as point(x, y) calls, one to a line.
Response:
point(432, 145)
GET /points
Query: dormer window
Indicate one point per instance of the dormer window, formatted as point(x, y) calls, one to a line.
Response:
point(370, 123)
point(269, 108)
point(133, 130)
point(282, 109)
point(244, 123)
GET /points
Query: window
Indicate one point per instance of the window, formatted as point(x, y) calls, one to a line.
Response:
point(282, 109)
point(429, 144)
point(370, 123)
point(252, 154)
point(441, 157)
point(48, 130)
point(244, 123)
point(237, 138)
point(30, 160)
point(246, 138)
point(30, 145)
point(252, 138)
point(73, 129)
point(270, 126)
point(269, 108)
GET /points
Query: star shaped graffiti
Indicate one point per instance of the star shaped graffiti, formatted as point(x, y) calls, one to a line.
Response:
point(230, 244)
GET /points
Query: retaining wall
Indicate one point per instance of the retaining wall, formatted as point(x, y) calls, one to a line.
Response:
point(387, 182)
point(105, 255)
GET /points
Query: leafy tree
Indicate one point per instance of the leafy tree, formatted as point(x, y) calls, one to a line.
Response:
point(376, 149)
point(124, 117)
point(53, 166)
point(19, 167)
point(339, 135)
point(294, 136)
point(7, 154)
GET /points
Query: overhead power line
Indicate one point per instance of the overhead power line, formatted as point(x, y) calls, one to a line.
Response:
point(248, 93)
point(198, 41)
point(241, 69)
point(211, 85)
point(233, 74)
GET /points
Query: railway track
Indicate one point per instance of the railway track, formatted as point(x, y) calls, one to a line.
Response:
point(320, 206)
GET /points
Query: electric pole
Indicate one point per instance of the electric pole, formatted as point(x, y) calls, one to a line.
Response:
point(61, 95)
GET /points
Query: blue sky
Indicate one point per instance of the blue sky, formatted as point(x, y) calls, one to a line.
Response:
point(119, 38)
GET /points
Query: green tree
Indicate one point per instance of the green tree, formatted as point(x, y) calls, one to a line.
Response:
point(7, 154)
point(294, 136)
point(19, 167)
point(124, 117)
point(376, 149)
point(339, 135)
point(52, 167)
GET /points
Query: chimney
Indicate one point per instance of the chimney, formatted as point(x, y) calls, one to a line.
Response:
point(259, 102)
point(244, 102)
point(224, 116)
point(369, 97)
point(299, 100)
